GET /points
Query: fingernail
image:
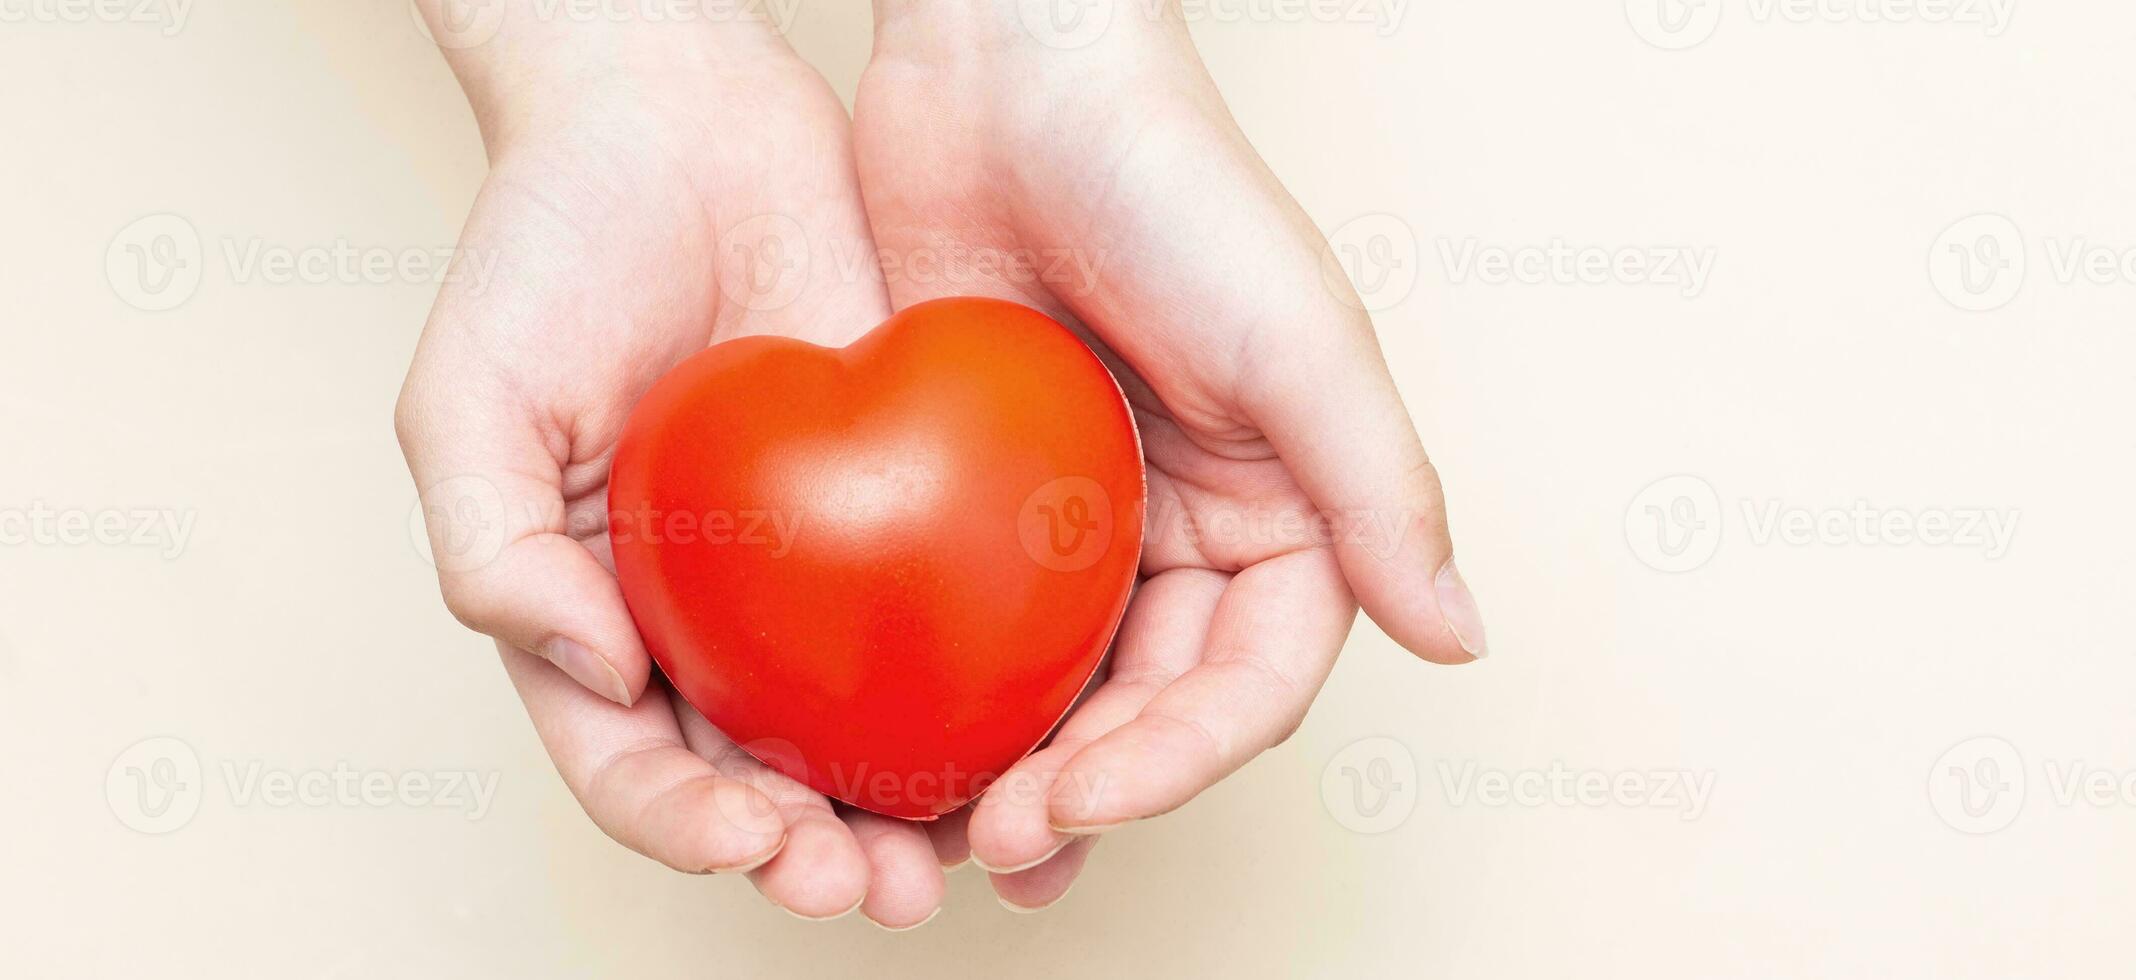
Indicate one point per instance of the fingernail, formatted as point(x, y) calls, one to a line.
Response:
point(916, 925)
point(753, 863)
point(957, 866)
point(1457, 606)
point(1068, 799)
point(756, 863)
point(1026, 866)
point(587, 667)
point(1029, 909)
point(1086, 830)
point(736, 807)
point(823, 918)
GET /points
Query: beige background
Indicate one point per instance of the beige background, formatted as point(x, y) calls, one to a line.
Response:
point(1831, 689)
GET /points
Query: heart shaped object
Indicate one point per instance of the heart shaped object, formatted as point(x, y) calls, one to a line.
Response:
point(886, 570)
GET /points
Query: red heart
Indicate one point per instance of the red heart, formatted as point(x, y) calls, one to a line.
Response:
point(886, 569)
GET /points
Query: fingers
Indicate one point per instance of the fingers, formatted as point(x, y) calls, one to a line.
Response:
point(821, 873)
point(1161, 637)
point(1039, 888)
point(631, 772)
point(487, 419)
point(1009, 831)
point(547, 594)
point(1273, 637)
point(907, 887)
point(521, 385)
point(495, 515)
point(1325, 401)
point(951, 836)
point(835, 860)
point(1210, 282)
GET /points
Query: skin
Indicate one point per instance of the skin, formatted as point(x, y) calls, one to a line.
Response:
point(632, 169)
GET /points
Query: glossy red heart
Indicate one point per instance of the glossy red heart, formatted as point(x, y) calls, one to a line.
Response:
point(885, 569)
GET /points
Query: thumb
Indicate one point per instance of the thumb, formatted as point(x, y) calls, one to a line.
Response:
point(500, 536)
point(1328, 405)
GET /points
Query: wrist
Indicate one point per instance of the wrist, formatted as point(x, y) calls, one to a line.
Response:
point(1078, 29)
point(534, 67)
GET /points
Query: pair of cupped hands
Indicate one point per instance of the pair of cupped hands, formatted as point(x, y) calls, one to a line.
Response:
point(658, 187)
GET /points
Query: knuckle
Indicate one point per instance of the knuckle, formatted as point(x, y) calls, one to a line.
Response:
point(468, 601)
point(408, 411)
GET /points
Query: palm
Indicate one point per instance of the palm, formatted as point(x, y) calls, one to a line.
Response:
point(659, 218)
point(624, 245)
point(966, 157)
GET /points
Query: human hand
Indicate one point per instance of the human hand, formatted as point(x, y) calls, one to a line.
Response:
point(642, 177)
point(1103, 181)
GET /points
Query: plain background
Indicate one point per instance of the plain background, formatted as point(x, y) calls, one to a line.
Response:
point(1918, 753)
